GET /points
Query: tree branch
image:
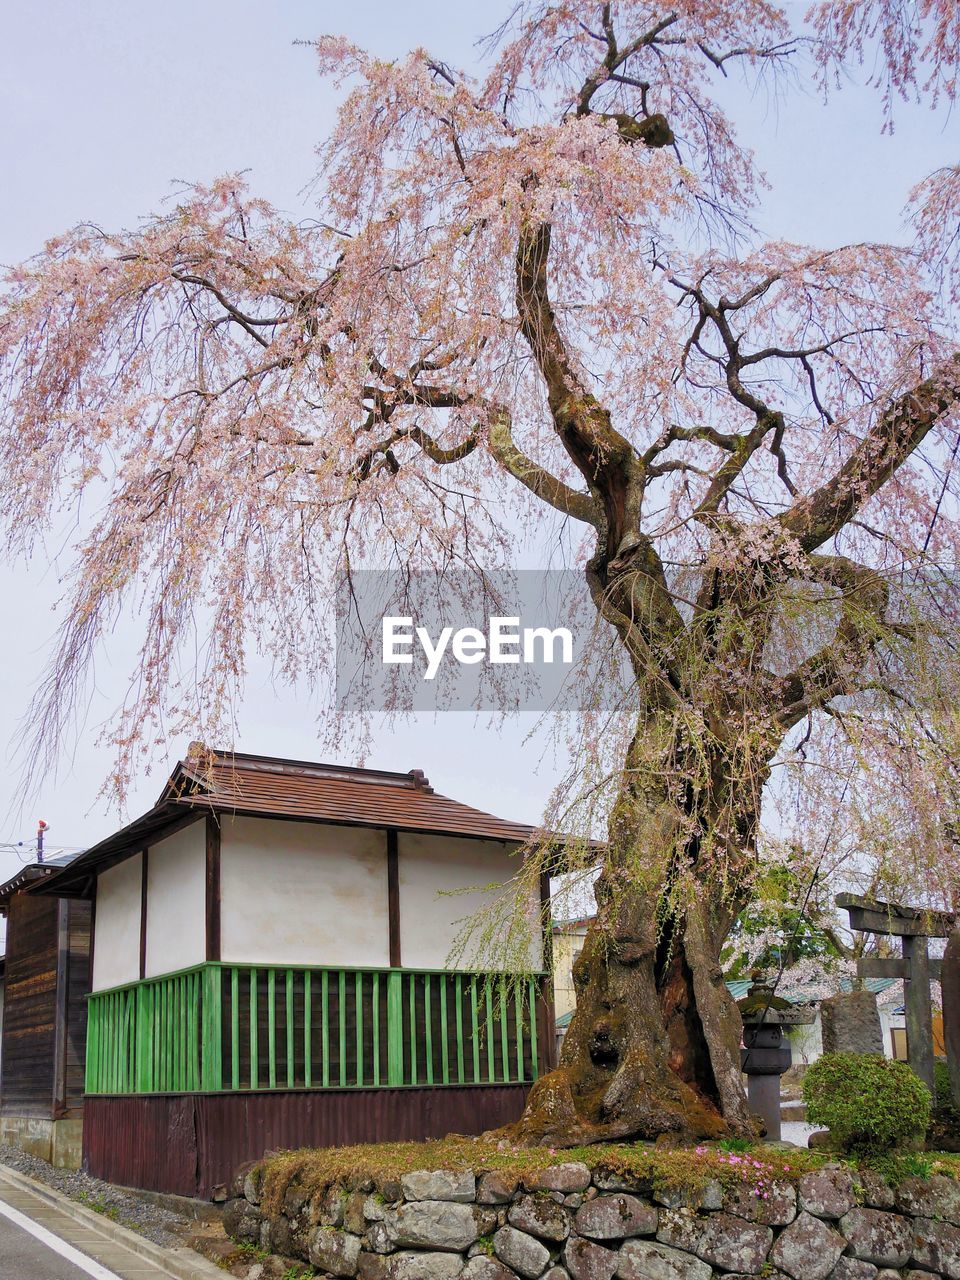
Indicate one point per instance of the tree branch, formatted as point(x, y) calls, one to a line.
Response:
point(899, 430)
point(246, 322)
point(721, 439)
point(605, 459)
point(836, 668)
point(427, 444)
point(537, 479)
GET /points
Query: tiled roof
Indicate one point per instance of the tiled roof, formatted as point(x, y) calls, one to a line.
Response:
point(568, 926)
point(26, 875)
point(30, 874)
point(271, 787)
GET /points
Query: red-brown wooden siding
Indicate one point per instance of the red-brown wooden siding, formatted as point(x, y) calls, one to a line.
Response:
point(188, 1144)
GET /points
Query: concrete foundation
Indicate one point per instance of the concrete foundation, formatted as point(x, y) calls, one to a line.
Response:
point(59, 1142)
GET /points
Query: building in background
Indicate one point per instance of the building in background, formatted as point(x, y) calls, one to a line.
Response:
point(271, 968)
point(805, 1039)
point(42, 1043)
point(568, 939)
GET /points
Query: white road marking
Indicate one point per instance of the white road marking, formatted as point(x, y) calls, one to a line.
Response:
point(92, 1268)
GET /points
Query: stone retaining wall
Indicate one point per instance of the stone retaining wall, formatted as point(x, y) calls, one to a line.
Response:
point(564, 1223)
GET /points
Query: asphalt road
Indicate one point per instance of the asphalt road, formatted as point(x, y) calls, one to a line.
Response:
point(22, 1257)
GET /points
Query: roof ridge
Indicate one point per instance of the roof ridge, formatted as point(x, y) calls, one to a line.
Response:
point(413, 779)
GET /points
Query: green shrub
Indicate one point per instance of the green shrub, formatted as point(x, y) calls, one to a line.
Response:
point(869, 1103)
point(941, 1079)
point(944, 1132)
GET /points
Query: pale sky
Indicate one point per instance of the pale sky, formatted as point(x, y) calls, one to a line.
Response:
point(105, 103)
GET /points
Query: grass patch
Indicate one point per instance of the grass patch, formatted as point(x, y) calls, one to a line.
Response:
point(99, 1205)
point(651, 1169)
point(378, 1167)
point(106, 1210)
point(253, 1251)
point(895, 1166)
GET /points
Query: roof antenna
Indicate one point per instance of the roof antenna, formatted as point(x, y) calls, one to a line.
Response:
point(41, 828)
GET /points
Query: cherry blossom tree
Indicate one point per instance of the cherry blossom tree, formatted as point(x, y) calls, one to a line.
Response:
point(530, 294)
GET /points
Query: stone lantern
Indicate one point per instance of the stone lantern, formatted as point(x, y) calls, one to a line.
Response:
point(766, 1055)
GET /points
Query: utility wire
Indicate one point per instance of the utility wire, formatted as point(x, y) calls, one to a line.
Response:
point(26, 850)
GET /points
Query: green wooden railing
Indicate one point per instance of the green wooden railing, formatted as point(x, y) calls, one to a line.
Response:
point(233, 1027)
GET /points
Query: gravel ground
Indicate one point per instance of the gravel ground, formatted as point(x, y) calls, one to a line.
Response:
point(161, 1225)
point(796, 1132)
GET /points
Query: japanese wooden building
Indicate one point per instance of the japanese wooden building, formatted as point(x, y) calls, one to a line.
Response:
point(45, 1019)
point(270, 969)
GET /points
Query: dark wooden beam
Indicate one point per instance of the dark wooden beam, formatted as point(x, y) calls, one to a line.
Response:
point(12, 950)
point(144, 865)
point(546, 921)
point(393, 898)
point(93, 932)
point(546, 1026)
point(867, 915)
point(212, 880)
point(950, 990)
point(59, 1099)
point(892, 967)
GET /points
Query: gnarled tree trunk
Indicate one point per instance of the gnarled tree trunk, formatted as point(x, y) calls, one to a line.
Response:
point(654, 1044)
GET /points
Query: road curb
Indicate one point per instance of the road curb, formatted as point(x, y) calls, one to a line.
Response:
point(182, 1264)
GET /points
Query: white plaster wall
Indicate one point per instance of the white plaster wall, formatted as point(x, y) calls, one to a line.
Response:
point(443, 881)
point(176, 904)
point(888, 1021)
point(116, 937)
point(303, 893)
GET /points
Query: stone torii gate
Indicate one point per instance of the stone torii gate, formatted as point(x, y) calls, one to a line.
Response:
point(914, 927)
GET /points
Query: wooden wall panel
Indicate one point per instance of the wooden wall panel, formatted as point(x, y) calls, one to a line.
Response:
point(27, 1083)
point(41, 1077)
point(187, 1144)
point(78, 987)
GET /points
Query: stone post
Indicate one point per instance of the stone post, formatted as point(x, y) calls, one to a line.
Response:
point(850, 1023)
point(919, 1011)
point(950, 989)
